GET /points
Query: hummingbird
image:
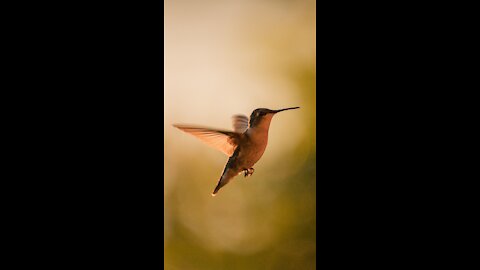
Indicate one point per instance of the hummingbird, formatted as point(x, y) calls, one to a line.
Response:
point(244, 145)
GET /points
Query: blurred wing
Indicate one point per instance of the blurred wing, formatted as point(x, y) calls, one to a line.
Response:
point(224, 141)
point(240, 123)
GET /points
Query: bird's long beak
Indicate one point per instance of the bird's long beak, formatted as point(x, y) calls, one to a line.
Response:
point(281, 110)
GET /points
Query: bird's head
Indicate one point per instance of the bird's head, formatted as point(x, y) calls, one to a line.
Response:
point(263, 116)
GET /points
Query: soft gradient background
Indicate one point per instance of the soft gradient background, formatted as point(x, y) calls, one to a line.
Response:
point(224, 57)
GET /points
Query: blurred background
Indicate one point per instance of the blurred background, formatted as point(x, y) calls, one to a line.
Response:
point(224, 57)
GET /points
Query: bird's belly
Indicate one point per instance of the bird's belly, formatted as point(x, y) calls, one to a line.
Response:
point(250, 155)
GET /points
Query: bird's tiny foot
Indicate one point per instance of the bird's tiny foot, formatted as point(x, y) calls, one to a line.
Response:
point(249, 172)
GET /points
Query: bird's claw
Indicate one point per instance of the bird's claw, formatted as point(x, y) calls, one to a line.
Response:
point(249, 172)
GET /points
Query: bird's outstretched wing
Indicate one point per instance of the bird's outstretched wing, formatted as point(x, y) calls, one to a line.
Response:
point(224, 141)
point(240, 123)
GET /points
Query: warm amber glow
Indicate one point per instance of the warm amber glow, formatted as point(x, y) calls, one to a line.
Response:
point(224, 58)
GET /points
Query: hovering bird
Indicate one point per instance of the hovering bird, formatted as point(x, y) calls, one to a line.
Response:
point(244, 145)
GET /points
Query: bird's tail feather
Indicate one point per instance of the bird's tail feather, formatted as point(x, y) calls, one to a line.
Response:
point(219, 186)
point(224, 179)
